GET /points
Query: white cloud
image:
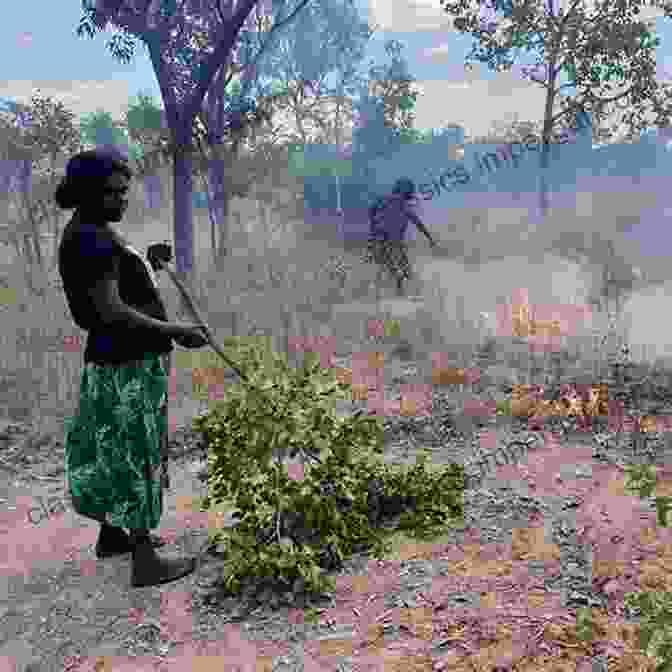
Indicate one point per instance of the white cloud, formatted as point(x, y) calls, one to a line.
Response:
point(400, 15)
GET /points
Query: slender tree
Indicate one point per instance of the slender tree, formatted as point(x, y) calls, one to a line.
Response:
point(294, 67)
point(384, 115)
point(219, 144)
point(604, 50)
point(393, 85)
point(147, 129)
point(188, 44)
point(312, 102)
point(16, 157)
point(52, 133)
point(378, 110)
point(40, 135)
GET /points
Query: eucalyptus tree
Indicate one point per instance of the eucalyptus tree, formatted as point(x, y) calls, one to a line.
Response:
point(343, 36)
point(294, 67)
point(15, 159)
point(219, 144)
point(320, 82)
point(37, 136)
point(188, 44)
point(384, 117)
point(378, 109)
point(584, 44)
point(394, 86)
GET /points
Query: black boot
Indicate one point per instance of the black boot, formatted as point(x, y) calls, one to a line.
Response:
point(149, 569)
point(114, 541)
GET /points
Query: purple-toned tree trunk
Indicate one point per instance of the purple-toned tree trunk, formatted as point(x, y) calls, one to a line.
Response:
point(182, 188)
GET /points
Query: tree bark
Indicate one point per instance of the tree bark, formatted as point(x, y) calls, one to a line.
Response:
point(546, 139)
point(56, 215)
point(223, 217)
point(29, 267)
point(220, 203)
point(213, 226)
point(16, 243)
point(183, 224)
point(29, 246)
point(56, 230)
point(35, 235)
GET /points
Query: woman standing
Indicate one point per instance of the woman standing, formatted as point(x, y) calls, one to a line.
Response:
point(113, 443)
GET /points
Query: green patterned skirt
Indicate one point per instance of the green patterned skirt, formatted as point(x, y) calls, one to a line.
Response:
point(115, 446)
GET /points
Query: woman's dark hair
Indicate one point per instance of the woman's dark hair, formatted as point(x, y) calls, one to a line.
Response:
point(86, 173)
point(404, 186)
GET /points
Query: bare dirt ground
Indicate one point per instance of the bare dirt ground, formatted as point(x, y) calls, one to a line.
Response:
point(463, 602)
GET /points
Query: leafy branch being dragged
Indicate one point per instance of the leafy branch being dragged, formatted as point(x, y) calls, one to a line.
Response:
point(288, 531)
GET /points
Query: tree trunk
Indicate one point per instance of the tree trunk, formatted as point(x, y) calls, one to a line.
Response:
point(262, 234)
point(183, 225)
point(543, 184)
point(213, 228)
point(16, 242)
point(56, 231)
point(29, 266)
point(27, 250)
point(31, 241)
point(220, 202)
point(35, 235)
point(223, 222)
point(546, 139)
point(25, 195)
point(55, 216)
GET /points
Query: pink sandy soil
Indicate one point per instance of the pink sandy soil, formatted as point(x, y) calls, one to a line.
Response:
point(630, 554)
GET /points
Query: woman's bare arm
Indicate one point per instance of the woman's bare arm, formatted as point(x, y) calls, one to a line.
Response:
point(421, 227)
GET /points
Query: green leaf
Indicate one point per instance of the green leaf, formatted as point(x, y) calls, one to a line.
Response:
point(585, 627)
point(640, 479)
point(570, 71)
point(518, 40)
point(648, 40)
point(392, 328)
point(663, 505)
